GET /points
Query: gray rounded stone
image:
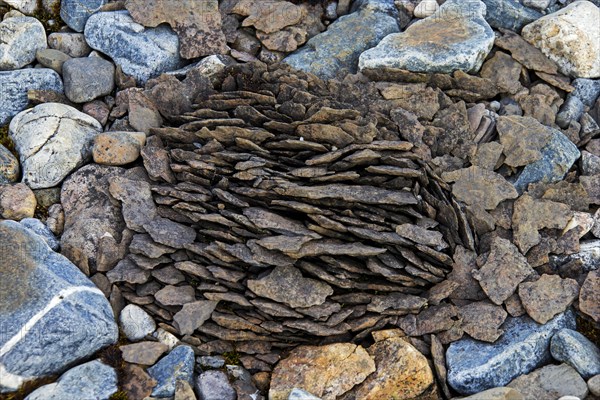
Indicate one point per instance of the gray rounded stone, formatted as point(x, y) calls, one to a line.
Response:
point(136, 323)
point(75, 13)
point(88, 78)
point(594, 385)
point(67, 317)
point(14, 86)
point(573, 348)
point(177, 365)
point(20, 38)
point(72, 44)
point(141, 52)
point(92, 380)
point(214, 385)
point(571, 110)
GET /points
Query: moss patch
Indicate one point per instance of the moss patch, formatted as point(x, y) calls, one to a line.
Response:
point(232, 358)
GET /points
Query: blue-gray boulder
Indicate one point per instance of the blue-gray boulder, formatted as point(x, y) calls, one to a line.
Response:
point(509, 14)
point(579, 352)
point(143, 53)
point(558, 156)
point(39, 228)
point(456, 37)
point(75, 13)
point(337, 49)
point(14, 86)
point(475, 366)
point(92, 380)
point(177, 365)
point(51, 314)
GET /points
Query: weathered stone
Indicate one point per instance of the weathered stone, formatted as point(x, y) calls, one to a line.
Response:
point(523, 139)
point(117, 148)
point(499, 393)
point(20, 39)
point(504, 71)
point(38, 227)
point(136, 323)
point(75, 13)
point(88, 78)
point(137, 384)
point(528, 55)
point(594, 385)
point(571, 347)
point(170, 233)
point(548, 296)
point(509, 14)
point(589, 298)
point(17, 202)
point(177, 365)
point(175, 295)
point(136, 198)
point(72, 44)
point(193, 315)
point(482, 320)
point(551, 382)
point(214, 385)
point(144, 353)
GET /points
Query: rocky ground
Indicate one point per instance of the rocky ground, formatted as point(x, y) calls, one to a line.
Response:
point(299, 200)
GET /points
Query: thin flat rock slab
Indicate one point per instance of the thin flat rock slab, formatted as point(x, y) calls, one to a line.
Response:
point(548, 296)
point(481, 320)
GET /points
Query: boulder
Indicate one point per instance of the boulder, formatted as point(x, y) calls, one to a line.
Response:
point(20, 39)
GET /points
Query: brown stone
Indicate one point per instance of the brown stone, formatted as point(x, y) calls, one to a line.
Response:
point(175, 295)
point(528, 55)
point(117, 148)
point(144, 353)
point(522, 138)
point(504, 71)
point(137, 384)
point(481, 320)
point(551, 382)
point(589, 296)
point(17, 202)
point(548, 296)
point(269, 16)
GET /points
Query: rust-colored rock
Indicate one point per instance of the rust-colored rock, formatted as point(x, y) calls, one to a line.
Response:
point(548, 296)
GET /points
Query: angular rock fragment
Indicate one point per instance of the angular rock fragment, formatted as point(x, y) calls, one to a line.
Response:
point(548, 296)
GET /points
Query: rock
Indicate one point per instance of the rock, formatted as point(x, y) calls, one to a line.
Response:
point(193, 315)
point(92, 380)
point(117, 148)
point(574, 28)
point(177, 365)
point(39, 228)
point(594, 385)
point(175, 295)
point(504, 71)
point(88, 78)
point(184, 391)
point(548, 296)
point(15, 84)
point(75, 13)
point(140, 52)
point(499, 393)
point(136, 200)
point(474, 366)
point(214, 385)
point(557, 158)
point(523, 139)
point(68, 319)
point(20, 39)
point(144, 353)
point(170, 233)
point(17, 202)
point(198, 28)
point(72, 44)
point(52, 140)
point(456, 37)
point(551, 382)
point(426, 8)
point(136, 323)
point(402, 372)
point(571, 110)
point(136, 383)
point(25, 6)
point(482, 320)
point(571, 347)
point(339, 47)
point(287, 285)
point(586, 90)
point(9, 166)
point(334, 370)
point(98, 110)
point(509, 14)
point(53, 59)
point(299, 394)
point(589, 298)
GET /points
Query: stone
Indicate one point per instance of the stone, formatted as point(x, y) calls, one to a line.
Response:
point(523, 52)
point(586, 90)
point(184, 391)
point(299, 394)
point(402, 372)
point(589, 298)
point(177, 365)
point(482, 320)
point(509, 14)
point(334, 370)
point(9, 166)
point(136, 383)
point(339, 47)
point(571, 347)
point(143, 53)
point(574, 28)
point(72, 44)
point(198, 26)
point(144, 353)
point(138, 207)
point(92, 380)
point(97, 109)
point(117, 148)
point(15, 84)
point(136, 323)
point(20, 39)
point(88, 78)
point(175, 295)
point(548, 296)
point(426, 8)
point(594, 385)
point(499, 393)
point(456, 37)
point(39, 228)
point(504, 71)
point(17, 202)
point(53, 59)
point(286, 285)
point(471, 182)
point(214, 385)
point(523, 139)
point(551, 382)
point(52, 140)
point(67, 320)
point(75, 13)
point(25, 6)
point(474, 366)
point(571, 110)
point(170, 233)
point(193, 315)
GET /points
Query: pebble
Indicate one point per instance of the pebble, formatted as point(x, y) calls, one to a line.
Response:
point(570, 37)
point(141, 52)
point(9, 166)
point(88, 78)
point(177, 365)
point(117, 148)
point(426, 46)
point(92, 380)
point(214, 385)
point(136, 323)
point(51, 58)
point(573, 348)
point(509, 14)
point(52, 140)
point(474, 366)
point(594, 385)
point(426, 8)
point(20, 38)
point(39, 228)
point(72, 44)
point(75, 13)
point(17, 202)
point(551, 382)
